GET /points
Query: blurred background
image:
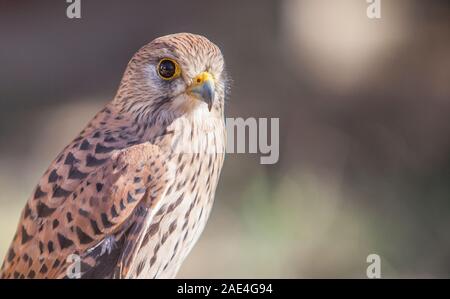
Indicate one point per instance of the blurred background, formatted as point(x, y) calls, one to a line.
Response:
point(364, 109)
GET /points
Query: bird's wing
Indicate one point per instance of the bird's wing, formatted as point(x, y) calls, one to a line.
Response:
point(91, 221)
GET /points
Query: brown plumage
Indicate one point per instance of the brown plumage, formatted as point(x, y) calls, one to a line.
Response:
point(131, 194)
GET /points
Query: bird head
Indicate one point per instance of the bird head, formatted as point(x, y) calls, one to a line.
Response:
point(178, 74)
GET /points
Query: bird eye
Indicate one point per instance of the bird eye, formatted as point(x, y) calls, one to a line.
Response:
point(168, 69)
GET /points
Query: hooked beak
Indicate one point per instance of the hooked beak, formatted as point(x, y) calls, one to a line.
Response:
point(203, 88)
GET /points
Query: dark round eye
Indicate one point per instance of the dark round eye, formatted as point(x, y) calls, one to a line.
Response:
point(168, 69)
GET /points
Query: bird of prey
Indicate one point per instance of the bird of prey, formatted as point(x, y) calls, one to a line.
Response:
point(130, 195)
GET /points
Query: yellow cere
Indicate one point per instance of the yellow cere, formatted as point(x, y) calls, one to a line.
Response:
point(202, 77)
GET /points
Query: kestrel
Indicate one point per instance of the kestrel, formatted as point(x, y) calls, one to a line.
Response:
point(130, 196)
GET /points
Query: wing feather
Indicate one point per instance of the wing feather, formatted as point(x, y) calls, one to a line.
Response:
point(94, 218)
